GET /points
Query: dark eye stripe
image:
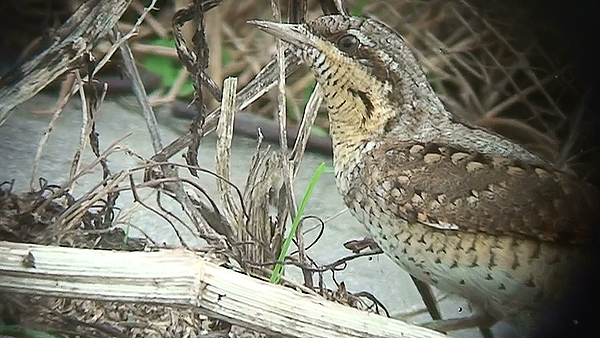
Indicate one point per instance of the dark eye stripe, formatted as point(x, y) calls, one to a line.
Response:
point(372, 61)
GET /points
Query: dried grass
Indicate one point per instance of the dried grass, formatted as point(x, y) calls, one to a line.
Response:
point(491, 65)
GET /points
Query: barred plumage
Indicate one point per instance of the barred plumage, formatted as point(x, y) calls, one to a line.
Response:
point(455, 205)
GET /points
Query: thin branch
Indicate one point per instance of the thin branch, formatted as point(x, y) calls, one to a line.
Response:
point(308, 119)
point(83, 133)
point(46, 136)
point(288, 178)
point(121, 40)
point(224, 139)
point(132, 73)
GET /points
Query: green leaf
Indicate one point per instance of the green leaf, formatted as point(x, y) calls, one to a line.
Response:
point(226, 57)
point(319, 131)
point(308, 90)
point(166, 68)
point(358, 8)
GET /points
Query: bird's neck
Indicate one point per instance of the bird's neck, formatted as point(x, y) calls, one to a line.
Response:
point(363, 108)
point(356, 117)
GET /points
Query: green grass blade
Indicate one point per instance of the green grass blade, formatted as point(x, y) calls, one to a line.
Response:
point(278, 270)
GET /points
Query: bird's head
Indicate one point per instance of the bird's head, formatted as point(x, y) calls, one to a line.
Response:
point(371, 80)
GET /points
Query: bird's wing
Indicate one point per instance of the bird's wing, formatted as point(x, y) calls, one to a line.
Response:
point(451, 190)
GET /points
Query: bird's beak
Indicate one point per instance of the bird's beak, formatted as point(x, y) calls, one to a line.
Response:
point(292, 33)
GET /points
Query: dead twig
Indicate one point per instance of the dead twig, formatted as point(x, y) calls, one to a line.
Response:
point(224, 139)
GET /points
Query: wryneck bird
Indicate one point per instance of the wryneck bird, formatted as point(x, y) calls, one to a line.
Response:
point(456, 206)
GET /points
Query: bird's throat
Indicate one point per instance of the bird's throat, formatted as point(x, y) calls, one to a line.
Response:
point(357, 104)
point(355, 119)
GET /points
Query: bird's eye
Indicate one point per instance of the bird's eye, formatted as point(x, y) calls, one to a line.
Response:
point(348, 43)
